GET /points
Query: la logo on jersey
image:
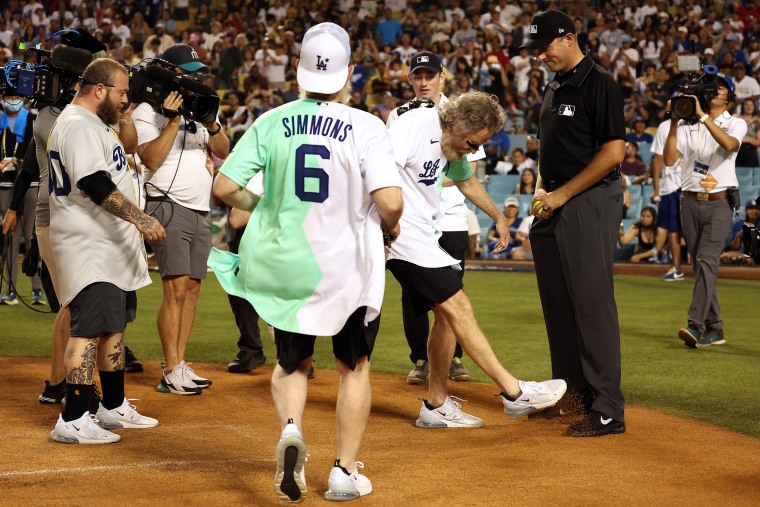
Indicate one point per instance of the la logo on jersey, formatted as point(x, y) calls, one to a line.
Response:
point(322, 64)
point(566, 110)
point(430, 173)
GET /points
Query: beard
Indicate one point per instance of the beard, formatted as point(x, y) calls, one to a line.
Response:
point(108, 112)
point(448, 149)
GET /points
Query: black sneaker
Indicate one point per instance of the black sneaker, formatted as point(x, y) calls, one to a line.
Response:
point(595, 424)
point(131, 363)
point(53, 393)
point(244, 363)
point(711, 337)
point(310, 375)
point(690, 336)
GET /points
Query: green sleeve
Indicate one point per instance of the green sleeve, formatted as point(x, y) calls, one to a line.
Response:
point(247, 158)
point(459, 169)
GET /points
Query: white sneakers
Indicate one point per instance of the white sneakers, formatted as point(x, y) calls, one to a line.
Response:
point(179, 382)
point(91, 429)
point(84, 430)
point(199, 381)
point(535, 396)
point(341, 487)
point(448, 415)
point(290, 480)
point(124, 416)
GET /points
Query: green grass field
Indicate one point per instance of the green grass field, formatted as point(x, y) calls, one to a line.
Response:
point(718, 384)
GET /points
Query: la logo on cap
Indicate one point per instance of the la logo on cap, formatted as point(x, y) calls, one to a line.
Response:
point(423, 59)
point(533, 28)
point(322, 64)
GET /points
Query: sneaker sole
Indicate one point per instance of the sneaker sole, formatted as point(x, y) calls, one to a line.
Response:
point(534, 408)
point(717, 342)
point(429, 425)
point(73, 440)
point(162, 388)
point(415, 381)
point(460, 378)
point(336, 495)
point(49, 401)
point(291, 454)
point(688, 339)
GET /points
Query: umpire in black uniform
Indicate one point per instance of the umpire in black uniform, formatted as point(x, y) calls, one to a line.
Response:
point(579, 206)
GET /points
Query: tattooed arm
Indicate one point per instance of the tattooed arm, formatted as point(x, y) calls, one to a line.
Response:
point(119, 206)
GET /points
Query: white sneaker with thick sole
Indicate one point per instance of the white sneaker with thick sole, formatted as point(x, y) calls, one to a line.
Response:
point(448, 415)
point(341, 487)
point(290, 480)
point(535, 396)
point(178, 382)
point(124, 416)
point(199, 381)
point(84, 430)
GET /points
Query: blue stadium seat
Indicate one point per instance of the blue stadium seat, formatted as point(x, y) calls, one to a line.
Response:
point(646, 194)
point(525, 200)
point(635, 191)
point(627, 223)
point(485, 223)
point(518, 141)
point(746, 176)
point(645, 152)
point(634, 212)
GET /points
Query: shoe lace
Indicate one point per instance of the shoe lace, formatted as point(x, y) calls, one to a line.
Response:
point(358, 464)
point(187, 367)
point(455, 403)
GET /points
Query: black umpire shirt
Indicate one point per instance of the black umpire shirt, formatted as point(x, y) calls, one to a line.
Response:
point(582, 109)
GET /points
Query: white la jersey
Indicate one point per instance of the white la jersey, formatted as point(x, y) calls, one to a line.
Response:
point(454, 207)
point(416, 138)
point(89, 244)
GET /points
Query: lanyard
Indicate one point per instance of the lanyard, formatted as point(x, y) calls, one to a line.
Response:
point(15, 144)
point(699, 145)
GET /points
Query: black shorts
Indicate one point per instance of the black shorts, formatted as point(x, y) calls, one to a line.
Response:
point(351, 343)
point(426, 286)
point(102, 308)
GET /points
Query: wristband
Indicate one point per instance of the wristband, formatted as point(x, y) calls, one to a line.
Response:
point(704, 118)
point(212, 133)
point(125, 121)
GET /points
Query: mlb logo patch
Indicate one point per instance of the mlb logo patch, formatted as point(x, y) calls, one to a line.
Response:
point(566, 110)
point(533, 29)
point(423, 59)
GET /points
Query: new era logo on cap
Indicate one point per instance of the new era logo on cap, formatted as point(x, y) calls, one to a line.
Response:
point(547, 26)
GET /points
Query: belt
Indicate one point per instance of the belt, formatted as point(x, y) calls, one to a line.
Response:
point(704, 196)
point(553, 185)
point(157, 198)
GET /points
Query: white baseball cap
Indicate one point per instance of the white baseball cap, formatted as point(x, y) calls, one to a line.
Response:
point(325, 56)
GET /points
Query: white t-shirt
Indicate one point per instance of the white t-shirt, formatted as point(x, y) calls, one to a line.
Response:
point(416, 138)
point(670, 177)
point(312, 252)
point(183, 175)
point(454, 207)
point(90, 244)
point(698, 146)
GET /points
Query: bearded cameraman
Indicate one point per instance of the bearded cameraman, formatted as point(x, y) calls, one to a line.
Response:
point(707, 151)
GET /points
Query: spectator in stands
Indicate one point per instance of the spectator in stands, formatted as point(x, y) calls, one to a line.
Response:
point(389, 29)
point(635, 107)
point(633, 166)
point(230, 60)
point(625, 56)
point(523, 250)
point(531, 148)
point(644, 231)
point(638, 132)
point(650, 50)
point(517, 163)
point(527, 185)
point(733, 252)
point(658, 94)
point(747, 87)
point(747, 156)
point(511, 211)
point(237, 116)
point(496, 149)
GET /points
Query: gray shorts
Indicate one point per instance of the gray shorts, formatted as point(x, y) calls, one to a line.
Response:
point(102, 308)
point(188, 239)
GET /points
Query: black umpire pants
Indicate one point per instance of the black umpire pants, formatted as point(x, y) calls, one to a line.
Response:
point(246, 317)
point(573, 252)
point(417, 327)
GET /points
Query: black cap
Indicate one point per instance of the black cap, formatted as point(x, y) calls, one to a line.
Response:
point(184, 57)
point(547, 26)
point(425, 60)
point(751, 204)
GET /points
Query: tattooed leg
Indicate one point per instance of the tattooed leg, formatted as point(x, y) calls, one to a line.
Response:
point(80, 360)
point(111, 352)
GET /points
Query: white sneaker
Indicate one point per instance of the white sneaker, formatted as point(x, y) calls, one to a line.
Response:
point(290, 480)
point(84, 430)
point(199, 381)
point(124, 416)
point(535, 396)
point(178, 382)
point(341, 487)
point(448, 415)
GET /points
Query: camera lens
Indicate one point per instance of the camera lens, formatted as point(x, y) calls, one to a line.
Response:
point(683, 107)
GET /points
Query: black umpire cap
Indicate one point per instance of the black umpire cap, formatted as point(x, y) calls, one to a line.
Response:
point(425, 60)
point(547, 26)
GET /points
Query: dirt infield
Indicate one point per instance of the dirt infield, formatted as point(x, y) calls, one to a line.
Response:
point(217, 449)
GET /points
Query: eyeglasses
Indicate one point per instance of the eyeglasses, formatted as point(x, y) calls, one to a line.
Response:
point(473, 146)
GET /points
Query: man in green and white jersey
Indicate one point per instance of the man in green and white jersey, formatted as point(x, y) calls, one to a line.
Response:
point(311, 260)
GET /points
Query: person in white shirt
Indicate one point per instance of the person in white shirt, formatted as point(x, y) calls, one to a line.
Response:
point(708, 150)
point(746, 86)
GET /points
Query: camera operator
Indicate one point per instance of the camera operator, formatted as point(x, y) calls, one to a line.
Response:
point(708, 180)
point(174, 151)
